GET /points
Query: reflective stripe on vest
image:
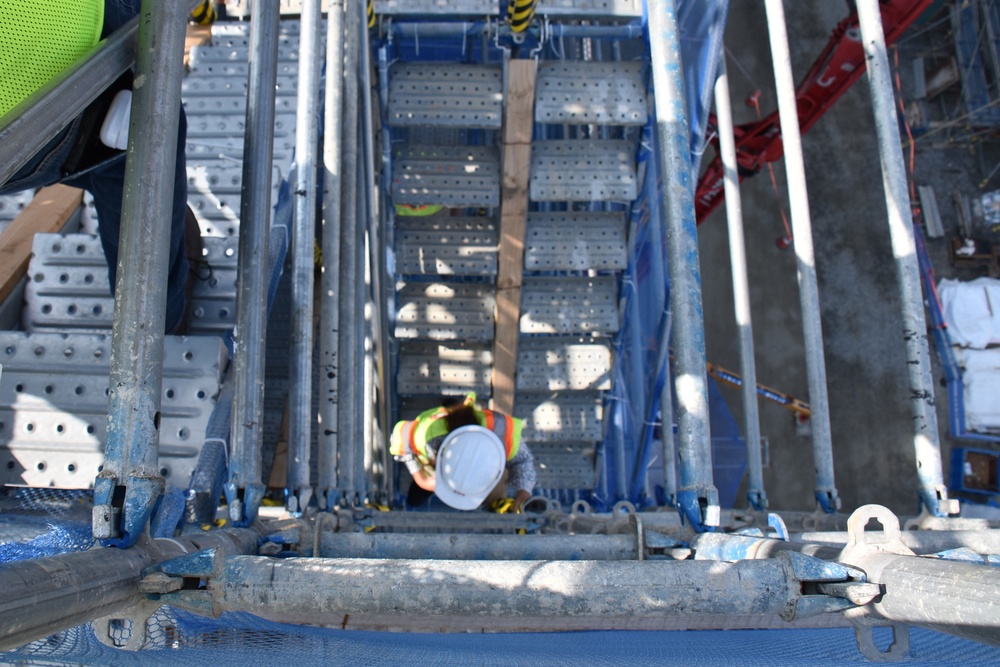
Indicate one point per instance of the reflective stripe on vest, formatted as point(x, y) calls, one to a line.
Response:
point(503, 428)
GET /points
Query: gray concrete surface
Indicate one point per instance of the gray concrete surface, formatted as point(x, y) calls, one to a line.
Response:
point(862, 328)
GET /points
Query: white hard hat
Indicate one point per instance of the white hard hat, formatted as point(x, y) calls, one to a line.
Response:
point(469, 465)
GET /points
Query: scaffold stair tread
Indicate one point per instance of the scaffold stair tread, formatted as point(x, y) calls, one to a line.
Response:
point(598, 170)
point(602, 93)
point(575, 241)
point(563, 363)
point(445, 95)
point(439, 369)
point(446, 245)
point(455, 176)
point(569, 305)
point(449, 8)
point(54, 405)
point(573, 417)
point(442, 311)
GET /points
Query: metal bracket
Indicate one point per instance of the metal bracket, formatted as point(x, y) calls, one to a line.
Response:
point(127, 628)
point(864, 634)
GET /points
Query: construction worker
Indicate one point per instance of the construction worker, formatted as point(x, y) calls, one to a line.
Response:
point(38, 40)
point(465, 455)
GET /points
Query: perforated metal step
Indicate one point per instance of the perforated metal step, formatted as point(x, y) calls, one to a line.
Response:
point(561, 363)
point(569, 305)
point(436, 7)
point(445, 370)
point(561, 418)
point(440, 311)
point(446, 245)
point(455, 176)
point(54, 406)
point(604, 93)
point(68, 286)
point(564, 465)
point(445, 95)
point(575, 241)
point(585, 170)
point(218, 52)
point(565, 9)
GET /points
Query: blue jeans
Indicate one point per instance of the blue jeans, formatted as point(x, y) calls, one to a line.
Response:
point(106, 183)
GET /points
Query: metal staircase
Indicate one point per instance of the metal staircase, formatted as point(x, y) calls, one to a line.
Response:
point(583, 175)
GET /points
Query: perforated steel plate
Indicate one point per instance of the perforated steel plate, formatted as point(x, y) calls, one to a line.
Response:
point(569, 305)
point(575, 8)
point(12, 205)
point(583, 171)
point(222, 177)
point(439, 370)
point(442, 94)
point(54, 406)
point(437, 7)
point(218, 215)
point(454, 176)
point(445, 245)
point(229, 125)
point(562, 418)
point(198, 70)
point(575, 241)
point(439, 311)
point(232, 85)
point(564, 465)
point(201, 55)
point(233, 104)
point(558, 363)
point(605, 93)
point(68, 287)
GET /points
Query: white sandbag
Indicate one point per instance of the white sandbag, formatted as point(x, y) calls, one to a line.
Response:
point(972, 311)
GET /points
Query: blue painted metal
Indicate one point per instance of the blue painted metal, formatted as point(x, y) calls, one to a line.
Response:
point(778, 524)
point(198, 564)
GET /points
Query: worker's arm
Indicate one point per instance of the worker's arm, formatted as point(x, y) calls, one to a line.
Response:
point(424, 480)
point(522, 475)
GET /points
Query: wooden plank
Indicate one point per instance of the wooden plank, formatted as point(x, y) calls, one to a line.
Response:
point(197, 35)
point(47, 213)
point(518, 126)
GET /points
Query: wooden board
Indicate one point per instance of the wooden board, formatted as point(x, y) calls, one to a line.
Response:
point(518, 125)
point(47, 213)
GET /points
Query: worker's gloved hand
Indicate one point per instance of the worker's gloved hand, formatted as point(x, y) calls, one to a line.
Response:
point(520, 498)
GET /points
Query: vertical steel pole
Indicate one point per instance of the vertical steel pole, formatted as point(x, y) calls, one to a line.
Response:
point(348, 420)
point(300, 414)
point(244, 489)
point(698, 499)
point(129, 485)
point(826, 490)
point(741, 290)
point(926, 442)
point(329, 309)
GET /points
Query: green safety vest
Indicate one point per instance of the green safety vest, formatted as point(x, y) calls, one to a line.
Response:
point(41, 38)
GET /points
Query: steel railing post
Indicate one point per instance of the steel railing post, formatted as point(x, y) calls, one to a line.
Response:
point(244, 489)
point(330, 294)
point(698, 499)
point(741, 289)
point(926, 444)
point(300, 412)
point(129, 485)
point(826, 490)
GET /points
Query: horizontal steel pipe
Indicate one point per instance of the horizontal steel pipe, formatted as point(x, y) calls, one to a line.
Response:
point(923, 541)
point(718, 546)
point(479, 547)
point(42, 596)
point(602, 592)
point(958, 598)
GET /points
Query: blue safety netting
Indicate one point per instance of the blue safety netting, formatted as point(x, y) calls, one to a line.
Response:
point(178, 637)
